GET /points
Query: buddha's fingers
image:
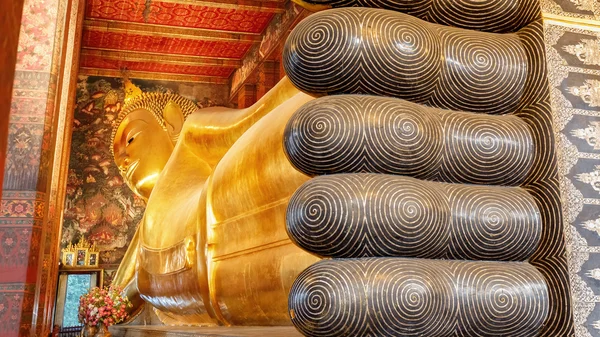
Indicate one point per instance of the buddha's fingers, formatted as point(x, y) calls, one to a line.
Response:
point(486, 15)
point(380, 52)
point(412, 297)
point(352, 133)
point(358, 215)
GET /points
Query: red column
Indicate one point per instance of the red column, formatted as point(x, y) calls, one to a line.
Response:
point(246, 96)
point(27, 161)
point(268, 75)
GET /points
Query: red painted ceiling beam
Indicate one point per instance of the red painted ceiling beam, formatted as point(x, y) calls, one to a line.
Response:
point(136, 56)
point(169, 31)
point(249, 5)
point(153, 76)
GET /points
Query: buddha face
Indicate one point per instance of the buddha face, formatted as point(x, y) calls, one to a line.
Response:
point(142, 148)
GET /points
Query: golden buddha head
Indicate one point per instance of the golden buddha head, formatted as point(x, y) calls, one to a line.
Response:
point(144, 135)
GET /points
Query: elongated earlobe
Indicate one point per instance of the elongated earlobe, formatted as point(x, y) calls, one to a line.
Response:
point(174, 120)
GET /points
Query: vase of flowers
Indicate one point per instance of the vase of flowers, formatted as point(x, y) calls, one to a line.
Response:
point(101, 308)
point(89, 331)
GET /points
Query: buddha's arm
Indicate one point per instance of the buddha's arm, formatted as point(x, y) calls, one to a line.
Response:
point(126, 274)
point(211, 132)
point(126, 270)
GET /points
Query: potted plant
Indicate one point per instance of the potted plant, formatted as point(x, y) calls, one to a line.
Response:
point(101, 308)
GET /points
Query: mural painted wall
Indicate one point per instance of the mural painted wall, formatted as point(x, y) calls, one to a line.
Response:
point(99, 205)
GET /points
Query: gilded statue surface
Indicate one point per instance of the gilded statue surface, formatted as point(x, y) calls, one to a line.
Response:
point(462, 115)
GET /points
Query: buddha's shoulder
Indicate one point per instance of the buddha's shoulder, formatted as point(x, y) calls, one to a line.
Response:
point(207, 117)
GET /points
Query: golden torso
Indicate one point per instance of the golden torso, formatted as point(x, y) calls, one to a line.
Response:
point(173, 209)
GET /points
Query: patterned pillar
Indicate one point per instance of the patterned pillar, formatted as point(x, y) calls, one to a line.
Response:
point(67, 50)
point(246, 96)
point(268, 75)
point(27, 164)
point(10, 19)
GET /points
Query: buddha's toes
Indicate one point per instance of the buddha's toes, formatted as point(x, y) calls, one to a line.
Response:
point(413, 297)
point(379, 52)
point(358, 215)
point(352, 133)
point(486, 15)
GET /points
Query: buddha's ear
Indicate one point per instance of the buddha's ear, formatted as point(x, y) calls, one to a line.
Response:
point(174, 119)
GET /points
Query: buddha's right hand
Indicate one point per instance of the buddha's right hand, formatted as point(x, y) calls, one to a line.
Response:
point(137, 303)
point(126, 276)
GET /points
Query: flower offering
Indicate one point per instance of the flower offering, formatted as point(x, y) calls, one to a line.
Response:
point(103, 305)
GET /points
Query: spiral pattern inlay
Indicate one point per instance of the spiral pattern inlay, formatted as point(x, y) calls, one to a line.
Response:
point(358, 215)
point(493, 16)
point(371, 51)
point(379, 52)
point(414, 297)
point(352, 133)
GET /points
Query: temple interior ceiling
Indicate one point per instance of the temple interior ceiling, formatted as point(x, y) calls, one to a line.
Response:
point(184, 40)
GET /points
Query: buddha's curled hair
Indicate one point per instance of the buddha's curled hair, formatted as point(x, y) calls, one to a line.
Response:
point(154, 102)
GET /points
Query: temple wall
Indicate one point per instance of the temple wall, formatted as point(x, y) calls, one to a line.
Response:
point(572, 34)
point(99, 206)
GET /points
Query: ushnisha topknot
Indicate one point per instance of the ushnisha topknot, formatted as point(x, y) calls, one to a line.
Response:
point(154, 102)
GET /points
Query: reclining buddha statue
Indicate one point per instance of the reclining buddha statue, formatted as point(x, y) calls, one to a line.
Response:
point(400, 181)
point(199, 250)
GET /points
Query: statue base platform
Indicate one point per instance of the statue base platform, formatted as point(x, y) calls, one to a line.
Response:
point(184, 331)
